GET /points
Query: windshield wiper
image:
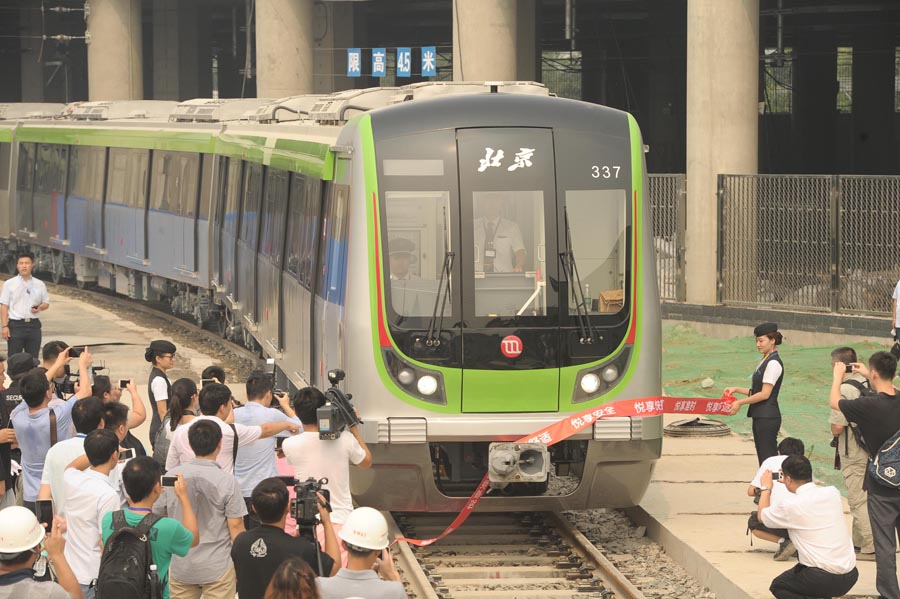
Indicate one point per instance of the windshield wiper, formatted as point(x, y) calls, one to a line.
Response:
point(567, 259)
point(433, 337)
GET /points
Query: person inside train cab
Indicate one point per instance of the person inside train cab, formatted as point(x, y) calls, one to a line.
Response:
point(498, 241)
point(762, 395)
point(161, 355)
point(402, 256)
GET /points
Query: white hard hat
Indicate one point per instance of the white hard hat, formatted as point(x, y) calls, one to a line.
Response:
point(366, 528)
point(19, 530)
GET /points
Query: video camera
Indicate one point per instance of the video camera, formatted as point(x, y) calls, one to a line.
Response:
point(338, 413)
point(67, 385)
point(270, 363)
point(305, 506)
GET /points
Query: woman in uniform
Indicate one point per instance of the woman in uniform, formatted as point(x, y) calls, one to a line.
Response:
point(762, 395)
point(161, 355)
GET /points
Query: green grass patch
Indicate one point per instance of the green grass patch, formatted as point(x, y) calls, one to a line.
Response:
point(688, 358)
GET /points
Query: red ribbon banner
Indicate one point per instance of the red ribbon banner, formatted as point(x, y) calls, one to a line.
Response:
point(573, 423)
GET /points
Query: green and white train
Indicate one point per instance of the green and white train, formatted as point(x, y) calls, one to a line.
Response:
point(478, 258)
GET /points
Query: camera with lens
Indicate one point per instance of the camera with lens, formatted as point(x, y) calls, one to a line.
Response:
point(305, 507)
point(338, 413)
point(67, 385)
point(270, 363)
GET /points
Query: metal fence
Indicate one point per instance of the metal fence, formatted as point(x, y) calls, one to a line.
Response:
point(667, 208)
point(813, 242)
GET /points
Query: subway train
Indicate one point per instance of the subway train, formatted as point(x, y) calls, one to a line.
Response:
point(477, 257)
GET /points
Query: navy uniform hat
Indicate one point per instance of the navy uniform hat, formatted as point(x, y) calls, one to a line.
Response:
point(766, 328)
point(157, 347)
point(21, 363)
point(401, 245)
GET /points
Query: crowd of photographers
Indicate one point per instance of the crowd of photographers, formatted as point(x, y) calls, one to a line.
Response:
point(252, 499)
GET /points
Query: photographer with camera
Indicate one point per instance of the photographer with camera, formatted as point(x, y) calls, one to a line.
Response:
point(850, 453)
point(370, 571)
point(215, 498)
point(256, 461)
point(104, 389)
point(259, 552)
point(330, 458)
point(39, 427)
point(216, 405)
point(786, 550)
point(814, 518)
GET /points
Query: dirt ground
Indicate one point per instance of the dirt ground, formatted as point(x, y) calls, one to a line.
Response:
point(689, 357)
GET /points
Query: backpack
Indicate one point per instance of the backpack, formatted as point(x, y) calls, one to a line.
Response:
point(127, 568)
point(885, 463)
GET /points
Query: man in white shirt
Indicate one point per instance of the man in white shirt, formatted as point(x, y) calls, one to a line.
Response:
point(87, 416)
point(498, 241)
point(22, 299)
point(786, 550)
point(215, 404)
point(814, 518)
point(317, 458)
point(90, 495)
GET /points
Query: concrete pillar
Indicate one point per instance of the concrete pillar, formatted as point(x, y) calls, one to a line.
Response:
point(115, 52)
point(484, 40)
point(722, 130)
point(333, 29)
point(528, 46)
point(873, 101)
point(284, 48)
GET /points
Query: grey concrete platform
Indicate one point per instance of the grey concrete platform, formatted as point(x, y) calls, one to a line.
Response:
point(697, 508)
point(81, 323)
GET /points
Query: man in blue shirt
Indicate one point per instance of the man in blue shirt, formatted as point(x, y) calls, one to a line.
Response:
point(32, 422)
point(256, 461)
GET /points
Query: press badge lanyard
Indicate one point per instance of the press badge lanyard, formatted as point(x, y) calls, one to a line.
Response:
point(489, 243)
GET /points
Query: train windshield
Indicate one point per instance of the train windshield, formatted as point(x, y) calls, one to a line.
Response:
point(418, 239)
point(509, 252)
point(596, 223)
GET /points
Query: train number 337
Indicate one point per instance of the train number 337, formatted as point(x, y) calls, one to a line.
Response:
point(607, 172)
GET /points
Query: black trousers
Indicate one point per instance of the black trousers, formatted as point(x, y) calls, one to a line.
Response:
point(884, 517)
point(802, 582)
point(25, 336)
point(765, 437)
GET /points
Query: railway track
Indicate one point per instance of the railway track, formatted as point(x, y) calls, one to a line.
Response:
point(505, 556)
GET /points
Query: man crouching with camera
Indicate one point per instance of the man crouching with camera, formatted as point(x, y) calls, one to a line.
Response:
point(330, 458)
point(814, 519)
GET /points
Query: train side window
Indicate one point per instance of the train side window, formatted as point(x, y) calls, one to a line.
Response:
point(5, 153)
point(311, 215)
point(25, 178)
point(188, 180)
point(232, 197)
point(253, 182)
point(50, 172)
point(162, 187)
point(333, 246)
point(117, 183)
point(271, 241)
point(295, 233)
point(138, 164)
point(206, 185)
point(86, 169)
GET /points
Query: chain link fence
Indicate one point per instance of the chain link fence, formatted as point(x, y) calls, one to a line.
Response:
point(667, 209)
point(824, 243)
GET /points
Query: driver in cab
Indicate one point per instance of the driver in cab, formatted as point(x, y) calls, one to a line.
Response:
point(498, 241)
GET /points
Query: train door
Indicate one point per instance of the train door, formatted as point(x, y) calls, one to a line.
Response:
point(49, 192)
point(217, 217)
point(331, 281)
point(25, 189)
point(98, 158)
point(230, 222)
point(189, 200)
point(138, 192)
point(269, 259)
point(254, 177)
point(509, 270)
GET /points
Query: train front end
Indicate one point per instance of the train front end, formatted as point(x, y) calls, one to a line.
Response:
point(512, 283)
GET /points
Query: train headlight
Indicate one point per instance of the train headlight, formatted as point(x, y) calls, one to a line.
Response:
point(610, 373)
point(427, 385)
point(590, 383)
point(406, 376)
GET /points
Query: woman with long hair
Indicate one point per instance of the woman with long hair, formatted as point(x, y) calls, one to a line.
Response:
point(183, 408)
point(293, 579)
point(762, 394)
